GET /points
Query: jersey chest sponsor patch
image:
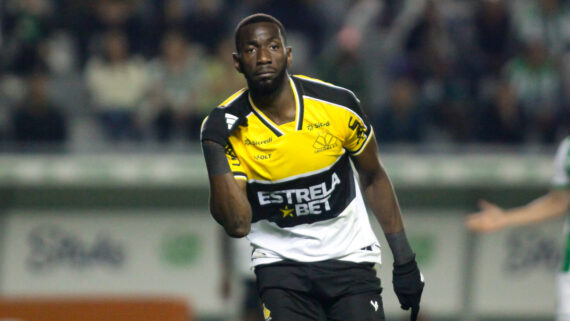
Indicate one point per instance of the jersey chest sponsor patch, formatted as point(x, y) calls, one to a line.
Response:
point(307, 199)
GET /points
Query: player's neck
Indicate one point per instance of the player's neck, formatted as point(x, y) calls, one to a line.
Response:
point(279, 105)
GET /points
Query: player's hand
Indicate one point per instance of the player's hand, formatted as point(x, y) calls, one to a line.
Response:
point(408, 284)
point(220, 124)
point(490, 218)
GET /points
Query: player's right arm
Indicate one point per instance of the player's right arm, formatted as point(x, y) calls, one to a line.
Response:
point(492, 217)
point(228, 198)
point(555, 203)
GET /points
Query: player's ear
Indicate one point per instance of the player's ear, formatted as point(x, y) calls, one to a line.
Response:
point(289, 55)
point(237, 63)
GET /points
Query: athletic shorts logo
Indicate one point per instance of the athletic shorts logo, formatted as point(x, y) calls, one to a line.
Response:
point(266, 313)
point(374, 305)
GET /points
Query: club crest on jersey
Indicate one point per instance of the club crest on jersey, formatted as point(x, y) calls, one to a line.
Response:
point(232, 155)
point(312, 200)
point(355, 125)
point(325, 141)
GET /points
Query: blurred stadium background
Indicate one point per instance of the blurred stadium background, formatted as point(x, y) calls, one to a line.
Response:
point(104, 191)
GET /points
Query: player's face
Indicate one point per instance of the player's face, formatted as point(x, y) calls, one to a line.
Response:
point(263, 58)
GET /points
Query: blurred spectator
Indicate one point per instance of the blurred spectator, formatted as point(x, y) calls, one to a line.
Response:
point(343, 64)
point(220, 66)
point(431, 61)
point(201, 21)
point(453, 52)
point(448, 104)
point(548, 20)
point(178, 81)
point(428, 46)
point(302, 19)
point(565, 99)
point(26, 24)
point(37, 120)
point(403, 120)
point(207, 23)
point(117, 82)
point(97, 18)
point(537, 82)
point(501, 120)
point(493, 34)
point(170, 15)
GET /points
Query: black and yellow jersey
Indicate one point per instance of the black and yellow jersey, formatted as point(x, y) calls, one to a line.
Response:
point(306, 202)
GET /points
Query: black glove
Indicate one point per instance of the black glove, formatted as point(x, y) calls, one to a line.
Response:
point(221, 123)
point(408, 284)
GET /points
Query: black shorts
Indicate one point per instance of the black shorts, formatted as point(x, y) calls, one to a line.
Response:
point(328, 290)
point(251, 297)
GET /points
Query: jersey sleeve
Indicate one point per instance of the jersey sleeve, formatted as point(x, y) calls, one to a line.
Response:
point(561, 177)
point(233, 161)
point(236, 165)
point(358, 128)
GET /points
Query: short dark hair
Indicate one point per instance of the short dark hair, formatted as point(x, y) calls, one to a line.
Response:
point(255, 18)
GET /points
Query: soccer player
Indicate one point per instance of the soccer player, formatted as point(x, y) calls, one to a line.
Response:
point(553, 204)
point(279, 158)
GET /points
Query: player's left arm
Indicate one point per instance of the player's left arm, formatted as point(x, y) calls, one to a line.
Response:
point(381, 198)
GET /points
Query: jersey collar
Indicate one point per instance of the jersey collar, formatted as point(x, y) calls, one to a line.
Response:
point(299, 105)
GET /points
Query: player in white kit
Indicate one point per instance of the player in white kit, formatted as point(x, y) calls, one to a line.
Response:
point(553, 204)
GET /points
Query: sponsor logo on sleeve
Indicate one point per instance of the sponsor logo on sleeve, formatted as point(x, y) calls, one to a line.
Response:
point(232, 154)
point(355, 125)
